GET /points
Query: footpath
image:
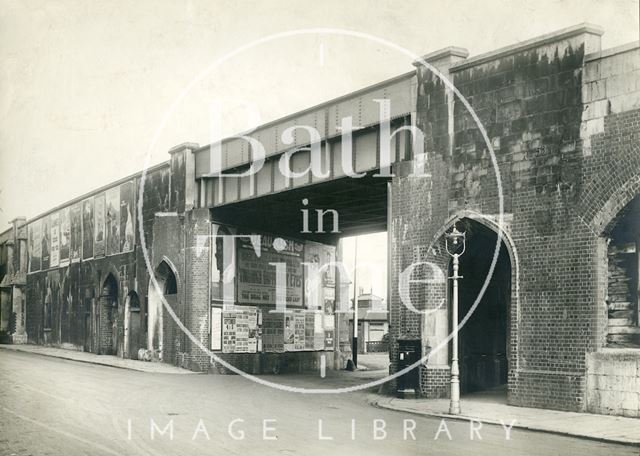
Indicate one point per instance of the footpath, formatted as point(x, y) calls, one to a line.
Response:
point(91, 358)
point(488, 410)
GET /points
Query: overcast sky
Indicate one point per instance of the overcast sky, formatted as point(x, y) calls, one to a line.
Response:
point(84, 85)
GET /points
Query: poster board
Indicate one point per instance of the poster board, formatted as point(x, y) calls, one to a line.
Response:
point(45, 242)
point(216, 328)
point(35, 245)
point(228, 332)
point(241, 331)
point(54, 259)
point(99, 226)
point(127, 217)
point(75, 235)
point(257, 278)
point(65, 235)
point(273, 332)
point(87, 229)
point(112, 220)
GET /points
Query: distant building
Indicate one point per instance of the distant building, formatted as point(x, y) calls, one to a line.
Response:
point(372, 323)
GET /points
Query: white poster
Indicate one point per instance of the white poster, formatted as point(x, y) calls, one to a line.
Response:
point(216, 328)
point(55, 240)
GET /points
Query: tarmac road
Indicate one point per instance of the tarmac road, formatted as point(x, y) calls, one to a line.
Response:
point(50, 406)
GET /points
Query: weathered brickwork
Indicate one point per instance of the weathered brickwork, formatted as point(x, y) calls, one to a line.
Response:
point(560, 188)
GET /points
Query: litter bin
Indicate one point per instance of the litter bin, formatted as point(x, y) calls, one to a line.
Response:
point(409, 352)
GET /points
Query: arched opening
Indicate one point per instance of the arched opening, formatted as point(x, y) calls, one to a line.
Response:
point(167, 287)
point(109, 341)
point(133, 326)
point(484, 339)
point(623, 277)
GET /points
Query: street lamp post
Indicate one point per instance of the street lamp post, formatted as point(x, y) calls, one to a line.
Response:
point(453, 241)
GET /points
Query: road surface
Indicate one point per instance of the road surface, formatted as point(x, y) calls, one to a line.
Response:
point(50, 406)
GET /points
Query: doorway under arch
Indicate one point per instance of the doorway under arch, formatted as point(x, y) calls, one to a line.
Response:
point(110, 342)
point(132, 326)
point(484, 339)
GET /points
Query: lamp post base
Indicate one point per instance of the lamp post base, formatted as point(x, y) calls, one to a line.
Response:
point(454, 408)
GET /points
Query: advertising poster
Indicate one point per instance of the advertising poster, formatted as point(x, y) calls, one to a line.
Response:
point(87, 229)
point(294, 331)
point(54, 259)
point(273, 332)
point(127, 217)
point(229, 332)
point(46, 242)
point(246, 330)
point(112, 220)
point(309, 331)
point(313, 276)
point(216, 328)
point(65, 235)
point(98, 226)
point(318, 331)
point(289, 332)
point(298, 342)
point(75, 232)
point(329, 332)
point(35, 246)
point(257, 278)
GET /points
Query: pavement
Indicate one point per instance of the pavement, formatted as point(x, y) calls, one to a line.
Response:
point(103, 360)
point(491, 408)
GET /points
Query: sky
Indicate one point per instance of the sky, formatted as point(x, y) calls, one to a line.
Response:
point(91, 91)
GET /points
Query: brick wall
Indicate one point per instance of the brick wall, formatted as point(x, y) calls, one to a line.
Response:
point(557, 186)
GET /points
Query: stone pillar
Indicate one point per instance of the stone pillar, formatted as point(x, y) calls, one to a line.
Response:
point(183, 182)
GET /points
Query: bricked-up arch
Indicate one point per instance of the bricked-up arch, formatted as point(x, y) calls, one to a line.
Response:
point(623, 264)
point(166, 277)
point(109, 317)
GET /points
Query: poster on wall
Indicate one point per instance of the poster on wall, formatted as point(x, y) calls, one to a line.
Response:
point(112, 220)
point(65, 234)
point(46, 242)
point(313, 276)
point(289, 332)
point(87, 229)
point(54, 259)
point(35, 246)
point(309, 328)
point(257, 278)
point(98, 226)
point(318, 331)
point(75, 232)
point(246, 330)
point(229, 332)
point(294, 331)
point(329, 332)
point(273, 332)
point(216, 328)
point(127, 220)
point(298, 342)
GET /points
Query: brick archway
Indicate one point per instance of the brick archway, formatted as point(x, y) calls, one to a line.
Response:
point(168, 283)
point(109, 317)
